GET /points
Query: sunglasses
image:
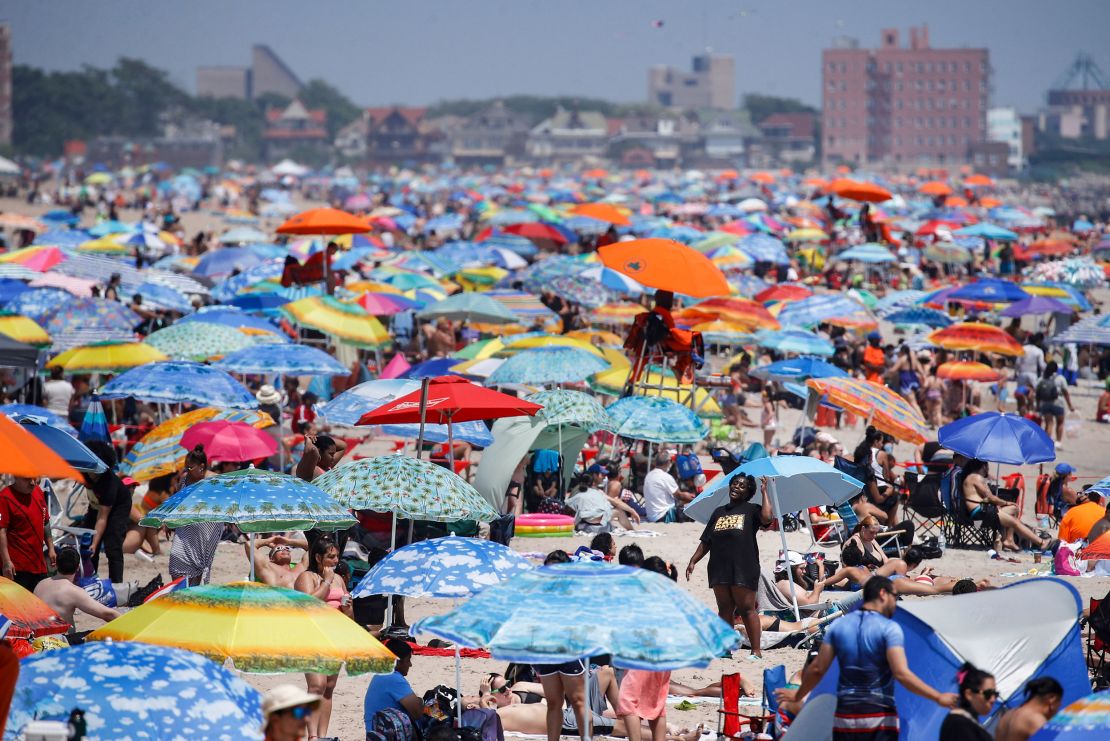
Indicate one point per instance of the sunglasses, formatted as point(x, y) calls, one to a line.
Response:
point(302, 711)
point(988, 694)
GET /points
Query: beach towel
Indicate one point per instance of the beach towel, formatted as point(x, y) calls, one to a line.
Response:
point(545, 461)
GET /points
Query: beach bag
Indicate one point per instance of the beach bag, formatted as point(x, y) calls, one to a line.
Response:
point(391, 724)
point(1064, 562)
point(1047, 390)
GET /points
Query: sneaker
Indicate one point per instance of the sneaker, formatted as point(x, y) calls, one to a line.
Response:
point(139, 595)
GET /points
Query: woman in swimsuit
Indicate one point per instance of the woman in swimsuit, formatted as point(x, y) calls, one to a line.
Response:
point(983, 506)
point(909, 375)
point(322, 582)
point(934, 397)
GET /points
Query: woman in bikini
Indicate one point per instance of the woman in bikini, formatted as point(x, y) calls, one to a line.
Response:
point(984, 506)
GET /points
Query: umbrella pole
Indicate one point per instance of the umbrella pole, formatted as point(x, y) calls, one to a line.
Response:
point(458, 685)
point(423, 416)
point(782, 534)
point(389, 597)
point(588, 716)
point(281, 426)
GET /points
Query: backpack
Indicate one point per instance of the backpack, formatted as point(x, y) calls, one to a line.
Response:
point(1047, 390)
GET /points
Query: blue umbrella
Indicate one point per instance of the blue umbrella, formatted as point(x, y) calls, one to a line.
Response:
point(30, 410)
point(94, 426)
point(1074, 299)
point(63, 237)
point(1036, 305)
point(39, 303)
point(60, 216)
point(228, 289)
point(180, 382)
point(998, 438)
point(261, 302)
point(475, 433)
point(920, 315)
point(284, 359)
point(794, 369)
point(132, 691)
point(764, 248)
point(1083, 720)
point(656, 420)
point(232, 318)
point(989, 290)
point(816, 309)
point(986, 230)
point(226, 261)
point(897, 300)
point(794, 341)
point(107, 227)
point(450, 567)
point(431, 368)
point(550, 615)
point(10, 288)
point(65, 445)
point(348, 407)
point(163, 297)
point(542, 365)
point(869, 253)
point(747, 285)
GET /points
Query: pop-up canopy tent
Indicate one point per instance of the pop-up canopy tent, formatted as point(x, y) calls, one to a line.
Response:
point(1023, 631)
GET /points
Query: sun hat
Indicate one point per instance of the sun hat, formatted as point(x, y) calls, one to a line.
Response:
point(793, 557)
point(286, 696)
point(268, 395)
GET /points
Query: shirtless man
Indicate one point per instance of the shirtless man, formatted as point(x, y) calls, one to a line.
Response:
point(1043, 697)
point(65, 597)
point(983, 505)
point(275, 571)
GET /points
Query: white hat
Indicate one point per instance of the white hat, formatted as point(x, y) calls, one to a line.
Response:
point(793, 557)
point(268, 395)
point(285, 696)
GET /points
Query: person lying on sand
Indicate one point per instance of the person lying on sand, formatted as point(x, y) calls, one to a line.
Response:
point(897, 569)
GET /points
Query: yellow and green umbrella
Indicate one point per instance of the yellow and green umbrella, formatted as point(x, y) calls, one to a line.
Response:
point(349, 323)
point(612, 382)
point(258, 628)
point(107, 357)
point(108, 245)
point(23, 329)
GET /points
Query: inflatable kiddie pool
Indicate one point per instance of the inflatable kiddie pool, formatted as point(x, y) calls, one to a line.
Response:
point(538, 525)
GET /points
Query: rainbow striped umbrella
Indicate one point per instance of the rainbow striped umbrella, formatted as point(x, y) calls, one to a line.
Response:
point(257, 628)
point(976, 336)
point(1087, 718)
point(887, 410)
point(28, 614)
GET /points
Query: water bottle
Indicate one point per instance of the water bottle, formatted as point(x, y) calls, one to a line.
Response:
point(942, 543)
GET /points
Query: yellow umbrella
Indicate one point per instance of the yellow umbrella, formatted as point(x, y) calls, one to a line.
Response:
point(599, 335)
point(23, 329)
point(98, 178)
point(105, 246)
point(512, 347)
point(349, 323)
point(479, 279)
point(370, 286)
point(807, 234)
point(619, 313)
point(107, 357)
point(258, 628)
point(612, 382)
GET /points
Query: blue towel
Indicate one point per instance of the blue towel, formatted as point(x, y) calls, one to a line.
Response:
point(545, 461)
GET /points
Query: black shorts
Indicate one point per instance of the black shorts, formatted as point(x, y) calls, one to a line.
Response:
point(568, 668)
point(986, 513)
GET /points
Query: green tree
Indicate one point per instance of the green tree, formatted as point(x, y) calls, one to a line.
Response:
point(143, 93)
point(762, 106)
point(341, 111)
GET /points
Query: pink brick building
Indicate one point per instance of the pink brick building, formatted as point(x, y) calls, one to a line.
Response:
point(903, 105)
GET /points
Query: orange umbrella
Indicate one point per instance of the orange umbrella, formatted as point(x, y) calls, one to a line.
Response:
point(29, 614)
point(977, 179)
point(815, 183)
point(955, 202)
point(975, 336)
point(857, 191)
point(763, 177)
point(21, 454)
point(935, 188)
point(666, 265)
point(887, 410)
point(324, 221)
point(597, 173)
point(603, 212)
point(966, 370)
point(728, 175)
point(990, 202)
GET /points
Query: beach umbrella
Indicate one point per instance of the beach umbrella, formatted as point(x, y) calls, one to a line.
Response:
point(794, 341)
point(476, 433)
point(468, 307)
point(896, 300)
point(89, 312)
point(948, 253)
point(94, 425)
point(783, 292)
point(606, 212)
point(347, 407)
point(987, 230)
point(257, 628)
point(257, 501)
point(23, 455)
point(23, 329)
point(159, 452)
point(820, 308)
point(180, 382)
point(666, 265)
point(859, 191)
point(868, 253)
point(380, 303)
point(349, 323)
point(565, 407)
point(1087, 719)
point(976, 336)
point(198, 341)
point(998, 438)
point(886, 410)
point(226, 261)
point(921, 315)
point(741, 310)
point(229, 441)
point(29, 615)
point(532, 340)
point(548, 615)
point(656, 420)
point(1036, 305)
point(797, 369)
point(543, 365)
point(967, 370)
point(1062, 292)
point(764, 248)
point(134, 691)
point(408, 487)
point(283, 360)
point(720, 332)
point(431, 368)
point(15, 411)
point(447, 399)
point(106, 357)
point(162, 297)
point(230, 317)
point(989, 290)
point(40, 257)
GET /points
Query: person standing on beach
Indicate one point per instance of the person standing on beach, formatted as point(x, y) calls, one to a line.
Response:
point(870, 649)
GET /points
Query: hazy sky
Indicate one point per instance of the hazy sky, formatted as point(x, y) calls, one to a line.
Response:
point(419, 51)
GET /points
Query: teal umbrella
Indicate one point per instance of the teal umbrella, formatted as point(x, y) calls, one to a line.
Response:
point(469, 307)
point(656, 420)
point(542, 365)
point(566, 407)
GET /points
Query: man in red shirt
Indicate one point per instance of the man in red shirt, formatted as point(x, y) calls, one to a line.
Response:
point(23, 523)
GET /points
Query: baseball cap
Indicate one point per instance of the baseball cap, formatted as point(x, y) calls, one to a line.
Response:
point(286, 696)
point(1065, 469)
point(793, 558)
point(595, 468)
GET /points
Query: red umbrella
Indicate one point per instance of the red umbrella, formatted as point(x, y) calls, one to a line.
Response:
point(930, 227)
point(536, 230)
point(230, 441)
point(783, 292)
point(447, 399)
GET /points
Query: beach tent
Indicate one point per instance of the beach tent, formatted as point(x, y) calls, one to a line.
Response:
point(16, 354)
point(1023, 631)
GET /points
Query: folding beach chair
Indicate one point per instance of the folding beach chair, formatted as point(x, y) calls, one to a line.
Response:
point(960, 530)
point(840, 530)
point(730, 721)
point(1098, 644)
point(924, 508)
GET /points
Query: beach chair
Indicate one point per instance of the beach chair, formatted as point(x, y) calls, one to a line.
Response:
point(771, 600)
point(924, 508)
point(730, 721)
point(842, 529)
point(960, 530)
point(1098, 648)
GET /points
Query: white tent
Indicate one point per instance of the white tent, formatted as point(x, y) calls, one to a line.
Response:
point(7, 167)
point(513, 437)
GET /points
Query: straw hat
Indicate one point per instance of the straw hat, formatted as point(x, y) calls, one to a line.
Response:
point(268, 395)
point(283, 697)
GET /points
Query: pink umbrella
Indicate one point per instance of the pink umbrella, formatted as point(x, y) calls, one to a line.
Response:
point(229, 441)
point(395, 367)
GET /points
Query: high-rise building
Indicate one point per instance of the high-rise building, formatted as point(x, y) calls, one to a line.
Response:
point(903, 105)
point(710, 84)
point(5, 84)
point(267, 74)
point(224, 82)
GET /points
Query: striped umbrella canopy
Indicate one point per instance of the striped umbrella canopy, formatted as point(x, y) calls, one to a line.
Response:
point(1062, 292)
point(180, 382)
point(159, 452)
point(106, 357)
point(616, 314)
point(921, 315)
point(283, 359)
point(349, 323)
point(794, 341)
point(656, 420)
point(23, 329)
point(948, 253)
point(739, 310)
point(721, 332)
point(257, 628)
point(407, 487)
point(94, 425)
point(257, 501)
point(976, 336)
point(38, 257)
point(967, 370)
point(28, 614)
point(868, 253)
point(820, 308)
point(1088, 331)
point(544, 365)
point(566, 407)
point(763, 247)
point(198, 340)
point(896, 300)
point(886, 410)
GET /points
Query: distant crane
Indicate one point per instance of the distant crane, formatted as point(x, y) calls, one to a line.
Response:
point(1086, 72)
